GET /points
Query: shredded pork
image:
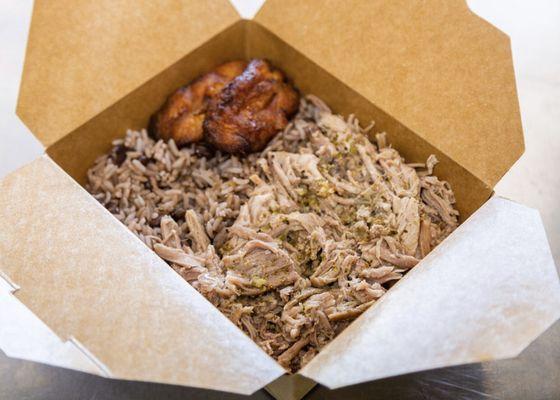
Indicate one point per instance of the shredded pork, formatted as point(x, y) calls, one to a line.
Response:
point(293, 243)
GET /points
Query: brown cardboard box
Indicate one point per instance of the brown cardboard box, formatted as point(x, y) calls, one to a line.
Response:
point(78, 290)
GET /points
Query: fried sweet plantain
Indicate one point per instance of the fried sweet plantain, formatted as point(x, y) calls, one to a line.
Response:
point(182, 115)
point(250, 109)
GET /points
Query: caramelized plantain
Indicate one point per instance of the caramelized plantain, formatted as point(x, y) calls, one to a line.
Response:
point(250, 109)
point(182, 116)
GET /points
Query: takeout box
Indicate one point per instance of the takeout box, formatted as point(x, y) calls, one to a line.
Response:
point(80, 291)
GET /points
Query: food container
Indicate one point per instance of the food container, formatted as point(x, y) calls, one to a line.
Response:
point(78, 290)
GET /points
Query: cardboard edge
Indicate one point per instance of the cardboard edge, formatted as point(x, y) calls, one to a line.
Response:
point(518, 152)
point(19, 110)
point(477, 16)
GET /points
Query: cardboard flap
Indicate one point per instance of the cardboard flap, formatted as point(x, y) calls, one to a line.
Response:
point(93, 282)
point(25, 336)
point(84, 55)
point(485, 293)
point(433, 65)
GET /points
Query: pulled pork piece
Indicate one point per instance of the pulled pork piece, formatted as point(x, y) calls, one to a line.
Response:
point(399, 260)
point(408, 223)
point(286, 357)
point(425, 237)
point(188, 266)
point(349, 311)
point(177, 256)
point(294, 243)
point(438, 199)
point(259, 266)
point(170, 232)
point(198, 235)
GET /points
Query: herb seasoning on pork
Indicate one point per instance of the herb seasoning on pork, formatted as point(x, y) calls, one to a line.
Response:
point(292, 243)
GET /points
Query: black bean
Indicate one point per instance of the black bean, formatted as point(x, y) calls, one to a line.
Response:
point(113, 207)
point(178, 214)
point(389, 284)
point(202, 150)
point(155, 222)
point(152, 127)
point(145, 160)
point(119, 154)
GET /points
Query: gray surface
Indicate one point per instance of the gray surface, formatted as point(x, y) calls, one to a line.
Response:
point(534, 180)
point(535, 374)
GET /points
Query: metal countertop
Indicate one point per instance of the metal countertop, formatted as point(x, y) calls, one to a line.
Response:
point(535, 374)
